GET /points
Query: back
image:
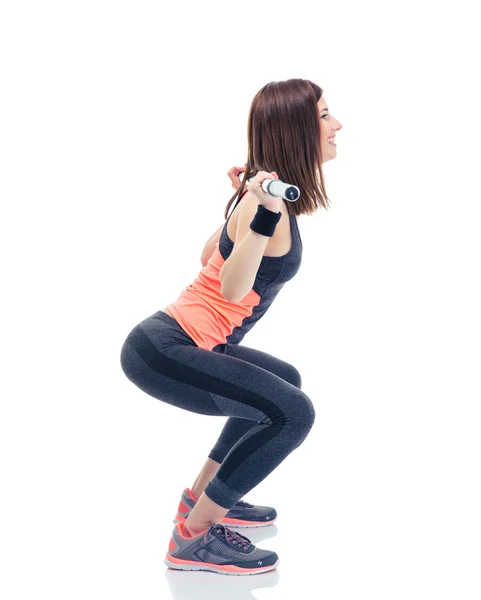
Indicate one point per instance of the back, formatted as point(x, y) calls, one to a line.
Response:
point(211, 320)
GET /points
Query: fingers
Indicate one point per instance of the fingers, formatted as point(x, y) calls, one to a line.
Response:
point(236, 170)
point(233, 174)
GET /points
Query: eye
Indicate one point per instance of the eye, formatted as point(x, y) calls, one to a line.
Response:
point(324, 116)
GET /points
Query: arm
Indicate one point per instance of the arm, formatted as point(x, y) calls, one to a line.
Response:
point(210, 246)
point(239, 271)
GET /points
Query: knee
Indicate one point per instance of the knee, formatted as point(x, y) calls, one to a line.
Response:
point(298, 415)
point(308, 412)
point(304, 417)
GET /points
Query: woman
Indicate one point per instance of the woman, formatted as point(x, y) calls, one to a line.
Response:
point(189, 355)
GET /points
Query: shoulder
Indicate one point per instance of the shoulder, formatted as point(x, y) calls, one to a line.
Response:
point(242, 216)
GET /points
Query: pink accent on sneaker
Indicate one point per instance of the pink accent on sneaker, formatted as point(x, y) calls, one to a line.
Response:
point(241, 521)
point(229, 568)
point(191, 495)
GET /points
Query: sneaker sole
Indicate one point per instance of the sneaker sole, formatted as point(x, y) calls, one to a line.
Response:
point(234, 523)
point(188, 565)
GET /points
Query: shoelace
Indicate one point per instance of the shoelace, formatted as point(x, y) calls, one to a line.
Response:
point(234, 538)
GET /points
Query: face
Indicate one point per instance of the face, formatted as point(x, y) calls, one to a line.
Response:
point(329, 127)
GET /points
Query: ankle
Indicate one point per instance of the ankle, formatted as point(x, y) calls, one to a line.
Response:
point(191, 531)
point(196, 492)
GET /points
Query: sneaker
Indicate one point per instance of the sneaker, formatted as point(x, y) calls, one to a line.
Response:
point(219, 550)
point(242, 514)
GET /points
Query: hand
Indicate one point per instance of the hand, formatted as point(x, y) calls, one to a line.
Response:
point(234, 176)
point(270, 202)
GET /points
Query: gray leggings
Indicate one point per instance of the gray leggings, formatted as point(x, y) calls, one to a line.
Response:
point(269, 415)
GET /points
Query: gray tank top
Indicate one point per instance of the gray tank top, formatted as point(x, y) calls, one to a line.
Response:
point(273, 273)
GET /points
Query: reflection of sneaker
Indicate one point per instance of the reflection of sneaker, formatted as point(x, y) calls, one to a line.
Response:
point(219, 550)
point(242, 514)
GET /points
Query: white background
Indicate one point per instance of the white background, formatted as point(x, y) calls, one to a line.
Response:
point(119, 122)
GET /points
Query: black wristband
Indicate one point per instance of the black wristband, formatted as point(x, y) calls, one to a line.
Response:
point(265, 221)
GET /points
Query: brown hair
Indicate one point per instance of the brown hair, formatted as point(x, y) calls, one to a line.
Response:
point(283, 135)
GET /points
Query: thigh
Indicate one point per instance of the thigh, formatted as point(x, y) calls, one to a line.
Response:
point(206, 382)
point(266, 361)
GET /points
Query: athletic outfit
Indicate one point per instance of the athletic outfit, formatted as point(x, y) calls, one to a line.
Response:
point(194, 361)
